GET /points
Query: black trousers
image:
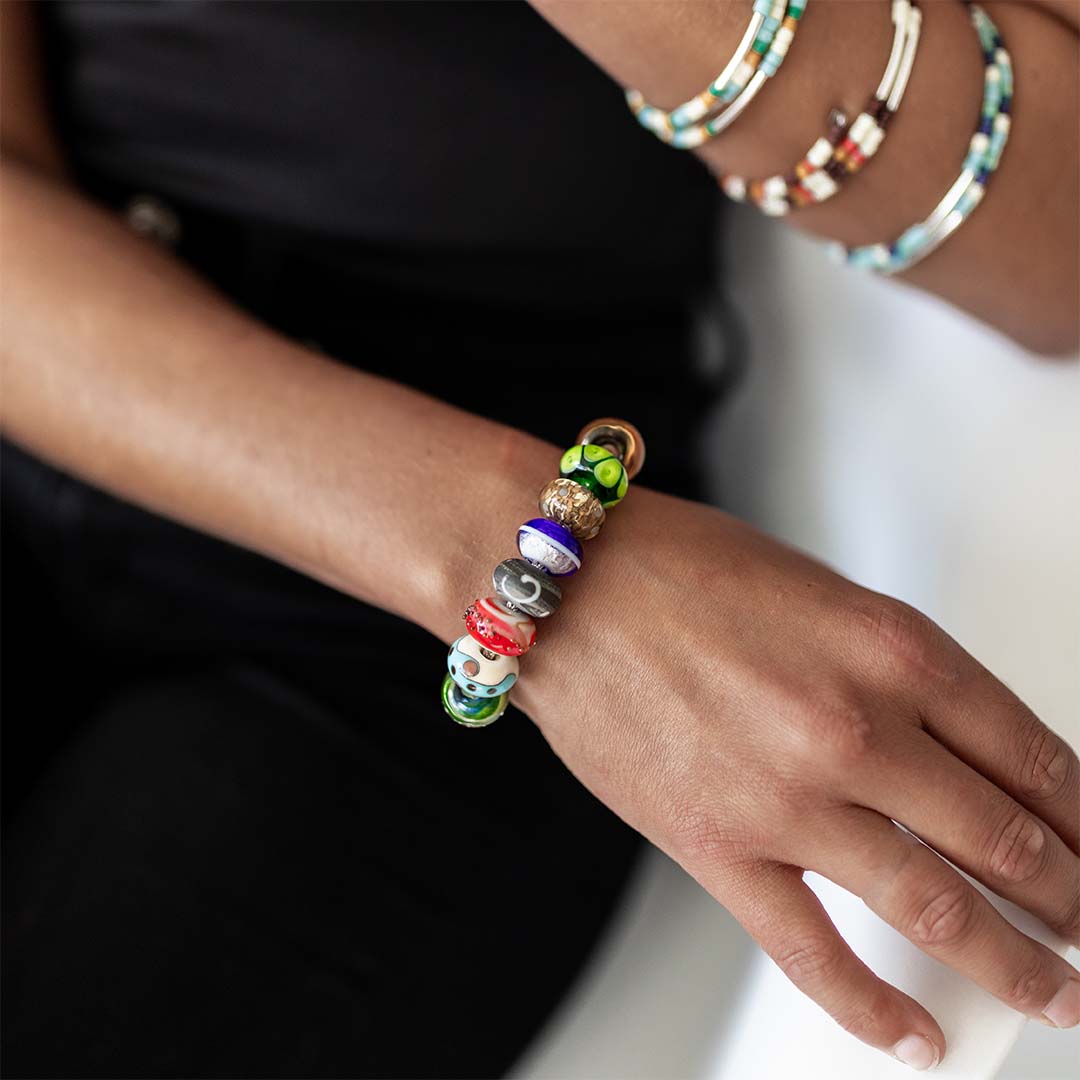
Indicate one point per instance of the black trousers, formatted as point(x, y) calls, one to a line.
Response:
point(241, 839)
point(222, 877)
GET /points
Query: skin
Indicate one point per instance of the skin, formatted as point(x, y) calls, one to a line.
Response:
point(788, 732)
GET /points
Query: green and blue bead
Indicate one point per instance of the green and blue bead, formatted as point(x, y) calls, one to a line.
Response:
point(471, 711)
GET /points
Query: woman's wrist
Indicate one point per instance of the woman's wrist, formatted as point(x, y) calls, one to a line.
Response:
point(594, 476)
point(477, 522)
point(424, 552)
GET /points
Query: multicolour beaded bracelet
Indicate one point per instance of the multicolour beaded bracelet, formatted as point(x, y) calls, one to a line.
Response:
point(983, 157)
point(755, 39)
point(846, 148)
point(735, 87)
point(482, 664)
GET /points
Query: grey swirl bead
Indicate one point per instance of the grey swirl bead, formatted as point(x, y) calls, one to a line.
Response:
point(526, 588)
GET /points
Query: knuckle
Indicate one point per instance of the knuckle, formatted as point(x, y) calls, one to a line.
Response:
point(810, 961)
point(867, 1018)
point(1048, 763)
point(1028, 990)
point(793, 798)
point(905, 640)
point(1068, 925)
point(699, 835)
point(838, 728)
point(1017, 846)
point(946, 918)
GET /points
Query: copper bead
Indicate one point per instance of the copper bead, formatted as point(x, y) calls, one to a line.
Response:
point(621, 438)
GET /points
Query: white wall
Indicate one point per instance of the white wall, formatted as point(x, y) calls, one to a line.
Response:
point(925, 457)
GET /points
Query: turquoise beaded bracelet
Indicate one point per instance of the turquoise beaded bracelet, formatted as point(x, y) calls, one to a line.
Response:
point(983, 157)
point(756, 37)
point(594, 476)
point(758, 57)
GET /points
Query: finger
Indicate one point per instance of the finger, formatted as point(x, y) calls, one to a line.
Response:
point(961, 814)
point(970, 712)
point(991, 729)
point(932, 905)
point(788, 921)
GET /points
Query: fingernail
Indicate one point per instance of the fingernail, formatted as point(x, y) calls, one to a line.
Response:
point(917, 1051)
point(1064, 1008)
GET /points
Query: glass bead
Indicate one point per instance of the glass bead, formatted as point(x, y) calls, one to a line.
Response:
point(530, 590)
point(549, 546)
point(480, 671)
point(471, 711)
point(495, 626)
point(598, 469)
point(573, 505)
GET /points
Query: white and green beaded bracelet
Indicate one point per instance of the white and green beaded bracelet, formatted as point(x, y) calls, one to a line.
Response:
point(758, 57)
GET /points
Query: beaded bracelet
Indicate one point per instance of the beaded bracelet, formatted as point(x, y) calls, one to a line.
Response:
point(757, 38)
point(846, 148)
point(594, 476)
point(983, 157)
point(735, 87)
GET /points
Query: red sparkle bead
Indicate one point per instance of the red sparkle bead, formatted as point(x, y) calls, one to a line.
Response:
point(499, 629)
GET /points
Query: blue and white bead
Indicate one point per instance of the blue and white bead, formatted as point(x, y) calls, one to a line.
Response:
point(479, 671)
point(549, 546)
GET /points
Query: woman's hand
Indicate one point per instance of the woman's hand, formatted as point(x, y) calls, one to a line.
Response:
point(754, 714)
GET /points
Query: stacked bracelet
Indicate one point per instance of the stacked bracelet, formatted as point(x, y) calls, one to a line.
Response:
point(983, 156)
point(758, 57)
point(845, 149)
point(482, 664)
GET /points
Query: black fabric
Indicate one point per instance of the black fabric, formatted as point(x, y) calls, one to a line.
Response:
point(241, 838)
point(429, 126)
point(224, 878)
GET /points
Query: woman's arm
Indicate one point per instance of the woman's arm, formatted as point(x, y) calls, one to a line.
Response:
point(1014, 264)
point(1068, 11)
point(745, 708)
point(122, 366)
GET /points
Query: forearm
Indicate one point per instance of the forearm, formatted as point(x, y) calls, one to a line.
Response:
point(123, 367)
point(1013, 264)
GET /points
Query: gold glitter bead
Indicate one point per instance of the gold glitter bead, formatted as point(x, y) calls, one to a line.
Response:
point(573, 505)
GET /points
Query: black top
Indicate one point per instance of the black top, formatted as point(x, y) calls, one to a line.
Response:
point(415, 125)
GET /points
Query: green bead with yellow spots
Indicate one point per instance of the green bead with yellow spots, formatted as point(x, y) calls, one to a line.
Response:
point(598, 469)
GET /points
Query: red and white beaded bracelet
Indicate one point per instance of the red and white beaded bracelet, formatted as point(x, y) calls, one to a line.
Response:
point(846, 148)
